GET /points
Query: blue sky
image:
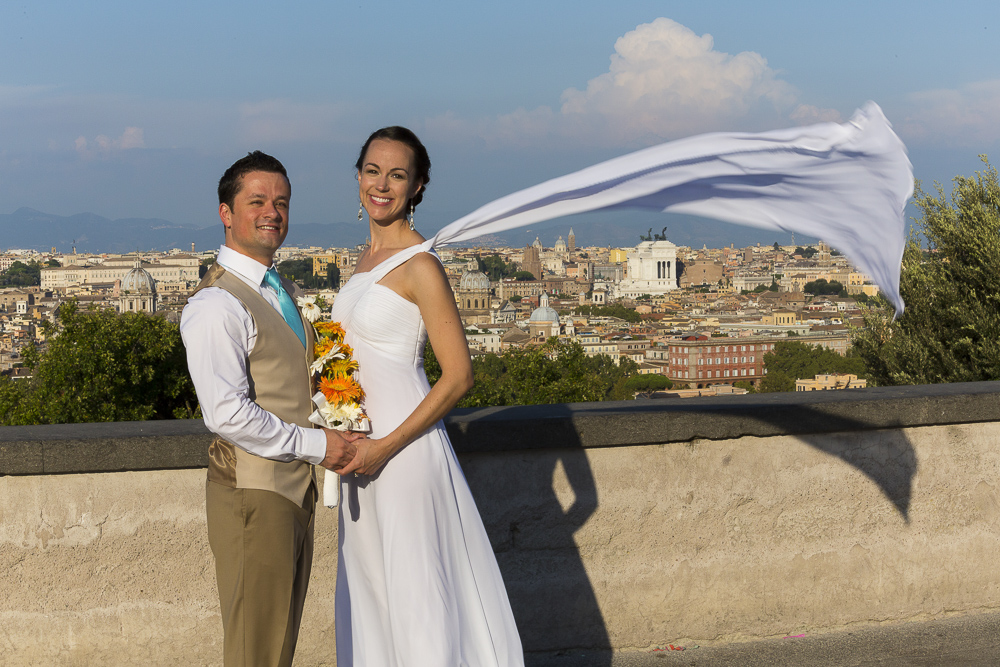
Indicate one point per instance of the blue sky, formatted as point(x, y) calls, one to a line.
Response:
point(129, 109)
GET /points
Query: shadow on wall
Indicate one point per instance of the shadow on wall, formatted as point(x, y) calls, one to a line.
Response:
point(886, 457)
point(550, 593)
point(554, 602)
point(890, 463)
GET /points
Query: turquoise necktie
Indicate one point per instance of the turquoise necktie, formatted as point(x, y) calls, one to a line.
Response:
point(288, 309)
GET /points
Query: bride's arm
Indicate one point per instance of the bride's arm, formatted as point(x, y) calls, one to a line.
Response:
point(422, 280)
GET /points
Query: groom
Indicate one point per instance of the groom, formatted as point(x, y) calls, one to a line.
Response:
point(248, 352)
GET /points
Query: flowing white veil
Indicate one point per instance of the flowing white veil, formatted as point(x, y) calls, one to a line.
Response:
point(846, 184)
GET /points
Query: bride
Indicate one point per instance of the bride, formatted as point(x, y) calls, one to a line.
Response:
point(417, 581)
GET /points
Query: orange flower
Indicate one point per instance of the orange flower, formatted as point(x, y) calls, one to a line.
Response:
point(341, 367)
point(332, 329)
point(323, 345)
point(340, 389)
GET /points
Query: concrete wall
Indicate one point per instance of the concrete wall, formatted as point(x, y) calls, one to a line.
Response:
point(615, 524)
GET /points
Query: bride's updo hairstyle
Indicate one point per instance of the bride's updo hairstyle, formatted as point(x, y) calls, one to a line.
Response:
point(420, 158)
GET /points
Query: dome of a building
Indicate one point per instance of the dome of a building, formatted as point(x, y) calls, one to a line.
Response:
point(138, 281)
point(544, 312)
point(474, 280)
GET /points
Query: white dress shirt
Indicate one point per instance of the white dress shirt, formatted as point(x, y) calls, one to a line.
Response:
point(219, 335)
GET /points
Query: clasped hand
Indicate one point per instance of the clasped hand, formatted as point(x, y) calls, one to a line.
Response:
point(341, 449)
point(370, 457)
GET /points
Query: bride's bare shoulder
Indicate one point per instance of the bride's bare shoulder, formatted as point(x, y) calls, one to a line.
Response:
point(425, 262)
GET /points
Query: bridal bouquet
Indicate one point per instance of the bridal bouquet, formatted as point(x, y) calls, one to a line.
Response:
point(339, 399)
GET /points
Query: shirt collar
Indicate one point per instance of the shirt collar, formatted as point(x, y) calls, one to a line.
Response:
point(249, 268)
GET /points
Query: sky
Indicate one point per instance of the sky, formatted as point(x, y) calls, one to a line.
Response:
point(128, 109)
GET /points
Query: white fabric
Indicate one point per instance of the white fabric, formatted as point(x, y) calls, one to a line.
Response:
point(219, 335)
point(417, 581)
point(846, 184)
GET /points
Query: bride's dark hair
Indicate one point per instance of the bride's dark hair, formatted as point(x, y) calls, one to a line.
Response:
point(420, 157)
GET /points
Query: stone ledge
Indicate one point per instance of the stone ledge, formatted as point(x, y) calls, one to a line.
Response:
point(165, 445)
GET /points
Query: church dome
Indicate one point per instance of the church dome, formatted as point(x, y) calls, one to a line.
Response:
point(138, 281)
point(474, 280)
point(544, 312)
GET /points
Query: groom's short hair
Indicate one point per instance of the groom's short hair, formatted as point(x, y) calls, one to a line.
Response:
point(232, 181)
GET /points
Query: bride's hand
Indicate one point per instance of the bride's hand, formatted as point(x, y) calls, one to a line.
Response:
point(370, 457)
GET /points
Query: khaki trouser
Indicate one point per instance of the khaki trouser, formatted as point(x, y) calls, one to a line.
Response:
point(263, 547)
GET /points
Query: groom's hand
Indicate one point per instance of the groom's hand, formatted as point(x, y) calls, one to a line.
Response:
point(340, 449)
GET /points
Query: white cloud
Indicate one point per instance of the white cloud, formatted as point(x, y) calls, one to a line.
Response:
point(132, 137)
point(964, 116)
point(664, 82)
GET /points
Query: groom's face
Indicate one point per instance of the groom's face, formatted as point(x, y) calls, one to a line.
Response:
point(257, 222)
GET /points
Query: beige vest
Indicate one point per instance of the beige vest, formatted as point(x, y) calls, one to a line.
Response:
point(280, 382)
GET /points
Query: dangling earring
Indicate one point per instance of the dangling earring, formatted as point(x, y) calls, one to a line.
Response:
point(411, 217)
point(360, 209)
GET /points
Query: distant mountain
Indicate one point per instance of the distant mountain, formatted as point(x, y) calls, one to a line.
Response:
point(31, 229)
point(623, 230)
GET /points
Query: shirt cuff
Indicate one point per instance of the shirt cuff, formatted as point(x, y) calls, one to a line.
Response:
point(313, 445)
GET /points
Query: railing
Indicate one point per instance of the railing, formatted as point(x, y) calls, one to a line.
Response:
point(617, 525)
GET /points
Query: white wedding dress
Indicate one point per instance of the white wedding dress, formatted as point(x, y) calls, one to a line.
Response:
point(417, 581)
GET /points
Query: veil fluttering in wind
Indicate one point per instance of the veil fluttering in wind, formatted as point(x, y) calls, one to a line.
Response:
point(844, 183)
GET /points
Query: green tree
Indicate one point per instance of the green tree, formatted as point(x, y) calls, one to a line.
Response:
point(301, 272)
point(333, 275)
point(556, 372)
point(792, 360)
point(495, 267)
point(746, 384)
point(950, 330)
point(614, 310)
point(647, 382)
point(22, 275)
point(522, 276)
point(821, 286)
point(102, 366)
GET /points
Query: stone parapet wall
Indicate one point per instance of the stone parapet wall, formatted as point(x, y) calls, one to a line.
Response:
point(615, 524)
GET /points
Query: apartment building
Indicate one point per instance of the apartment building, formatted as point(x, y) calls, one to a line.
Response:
point(700, 361)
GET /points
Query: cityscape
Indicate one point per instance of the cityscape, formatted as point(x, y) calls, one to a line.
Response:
point(701, 318)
